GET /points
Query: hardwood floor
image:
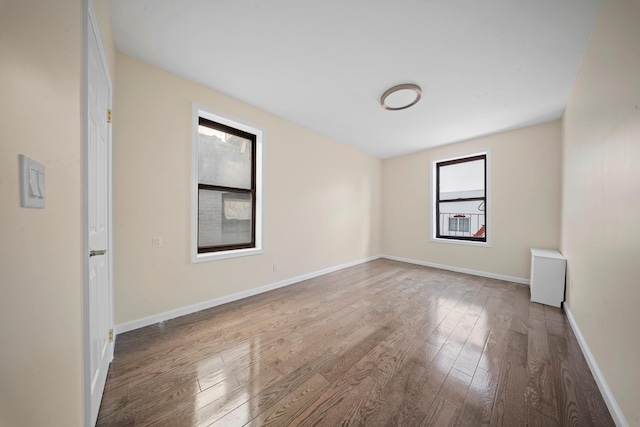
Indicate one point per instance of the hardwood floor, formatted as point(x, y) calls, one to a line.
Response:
point(379, 344)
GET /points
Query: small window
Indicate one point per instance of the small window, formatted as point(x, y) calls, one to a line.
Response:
point(459, 224)
point(227, 181)
point(460, 199)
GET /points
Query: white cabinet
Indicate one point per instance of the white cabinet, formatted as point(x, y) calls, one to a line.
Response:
point(548, 269)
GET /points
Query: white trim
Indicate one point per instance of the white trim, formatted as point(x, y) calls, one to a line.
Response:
point(487, 198)
point(208, 113)
point(150, 320)
point(167, 315)
point(86, 336)
point(503, 277)
point(224, 255)
point(461, 242)
point(609, 399)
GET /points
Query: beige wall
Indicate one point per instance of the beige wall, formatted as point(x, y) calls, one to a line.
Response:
point(525, 202)
point(103, 16)
point(41, 250)
point(322, 198)
point(601, 235)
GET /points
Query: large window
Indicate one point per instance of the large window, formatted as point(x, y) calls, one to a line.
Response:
point(227, 175)
point(460, 199)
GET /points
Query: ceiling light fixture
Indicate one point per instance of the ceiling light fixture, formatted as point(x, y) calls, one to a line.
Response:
point(400, 97)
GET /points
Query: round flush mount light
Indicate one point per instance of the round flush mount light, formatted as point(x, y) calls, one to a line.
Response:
point(401, 96)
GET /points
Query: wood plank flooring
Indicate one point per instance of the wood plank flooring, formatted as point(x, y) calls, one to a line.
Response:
point(379, 344)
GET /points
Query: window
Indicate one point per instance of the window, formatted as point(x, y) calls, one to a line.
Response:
point(227, 185)
point(460, 199)
point(459, 224)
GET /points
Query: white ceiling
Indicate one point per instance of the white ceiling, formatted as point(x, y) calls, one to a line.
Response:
point(484, 65)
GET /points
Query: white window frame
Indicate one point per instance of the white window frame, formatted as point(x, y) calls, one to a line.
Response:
point(487, 195)
point(208, 113)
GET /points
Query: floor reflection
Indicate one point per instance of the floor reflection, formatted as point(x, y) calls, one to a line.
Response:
point(361, 346)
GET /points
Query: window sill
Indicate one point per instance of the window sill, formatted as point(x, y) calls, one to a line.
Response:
point(214, 256)
point(462, 242)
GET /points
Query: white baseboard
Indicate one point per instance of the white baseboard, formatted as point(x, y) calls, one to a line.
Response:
point(161, 317)
point(150, 320)
point(612, 404)
point(513, 279)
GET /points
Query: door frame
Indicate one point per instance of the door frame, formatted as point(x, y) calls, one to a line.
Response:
point(90, 25)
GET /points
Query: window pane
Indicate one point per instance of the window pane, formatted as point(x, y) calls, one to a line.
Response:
point(462, 180)
point(224, 159)
point(224, 218)
point(461, 224)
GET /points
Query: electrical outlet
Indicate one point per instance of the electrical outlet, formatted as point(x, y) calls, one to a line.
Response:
point(156, 241)
point(275, 267)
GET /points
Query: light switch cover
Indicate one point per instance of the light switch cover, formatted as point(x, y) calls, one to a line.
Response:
point(32, 183)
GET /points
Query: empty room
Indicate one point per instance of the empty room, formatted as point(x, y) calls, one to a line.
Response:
point(247, 213)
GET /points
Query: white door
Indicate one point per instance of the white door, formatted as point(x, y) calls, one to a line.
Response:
point(98, 217)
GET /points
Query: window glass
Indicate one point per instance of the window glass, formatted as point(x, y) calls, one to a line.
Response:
point(459, 224)
point(226, 187)
point(224, 159)
point(462, 179)
point(224, 218)
point(460, 199)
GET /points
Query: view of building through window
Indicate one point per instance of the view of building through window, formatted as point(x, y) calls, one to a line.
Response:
point(226, 188)
point(461, 198)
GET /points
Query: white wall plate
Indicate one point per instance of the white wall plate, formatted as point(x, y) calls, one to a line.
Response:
point(32, 190)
